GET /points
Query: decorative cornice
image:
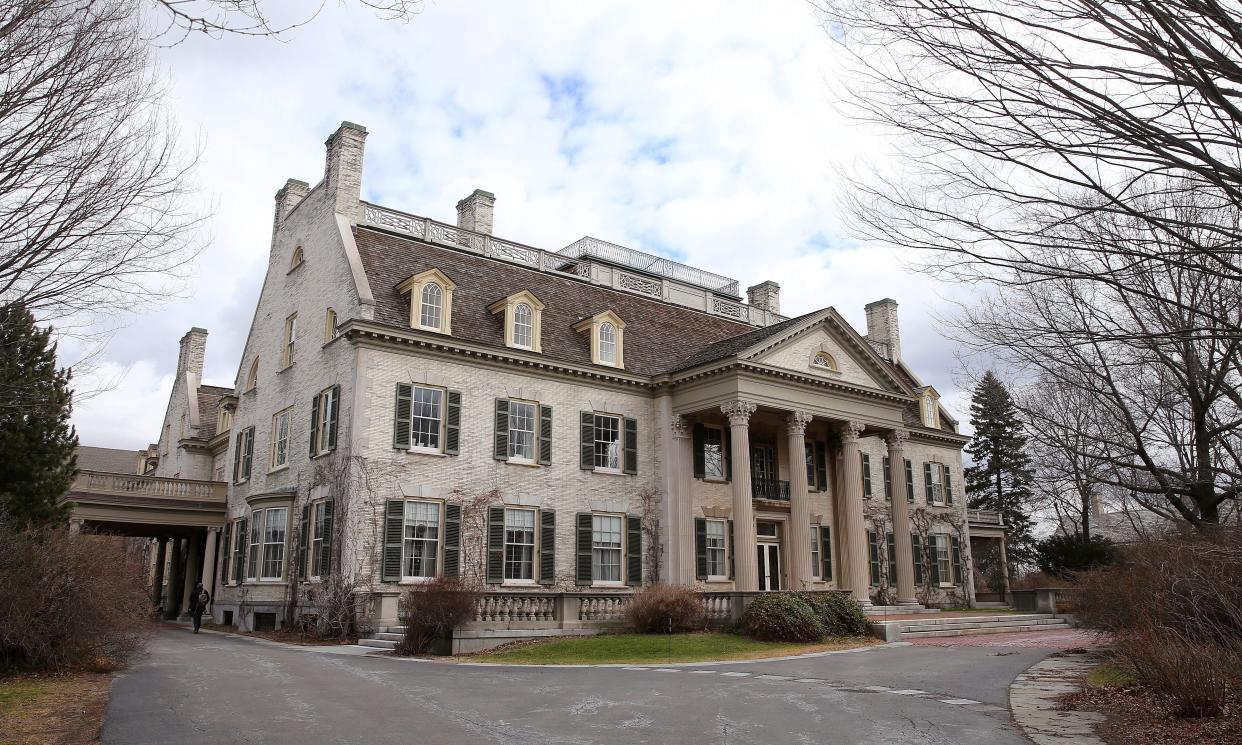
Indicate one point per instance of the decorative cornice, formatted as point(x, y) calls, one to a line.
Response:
point(796, 421)
point(738, 411)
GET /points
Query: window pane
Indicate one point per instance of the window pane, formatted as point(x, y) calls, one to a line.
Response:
point(521, 430)
point(810, 464)
point(814, 550)
point(715, 548)
point(425, 427)
point(523, 325)
point(606, 548)
point(519, 544)
point(317, 535)
point(713, 460)
point(422, 539)
point(274, 542)
point(431, 306)
point(607, 442)
point(608, 344)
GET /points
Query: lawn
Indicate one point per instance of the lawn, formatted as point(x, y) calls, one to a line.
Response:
point(656, 648)
point(52, 710)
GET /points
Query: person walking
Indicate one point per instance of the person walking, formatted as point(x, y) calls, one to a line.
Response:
point(199, 599)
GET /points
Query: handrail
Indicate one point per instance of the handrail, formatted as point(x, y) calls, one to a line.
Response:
point(770, 489)
point(119, 484)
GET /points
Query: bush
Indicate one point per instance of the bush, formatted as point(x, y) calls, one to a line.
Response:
point(838, 613)
point(70, 601)
point(1191, 679)
point(782, 617)
point(432, 610)
point(661, 609)
point(1067, 555)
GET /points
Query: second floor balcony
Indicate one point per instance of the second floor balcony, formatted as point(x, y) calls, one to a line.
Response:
point(771, 489)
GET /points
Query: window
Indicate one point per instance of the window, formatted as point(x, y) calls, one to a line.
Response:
point(888, 481)
point(329, 326)
point(929, 408)
point(607, 344)
point(256, 532)
point(716, 566)
point(909, 481)
point(267, 543)
point(280, 439)
point(810, 464)
point(935, 486)
point(523, 326)
point(823, 361)
point(326, 409)
point(523, 417)
point(243, 455)
point(431, 306)
point(941, 545)
point(606, 548)
point(422, 539)
point(713, 453)
point(291, 332)
point(815, 564)
point(252, 377)
point(519, 544)
point(607, 442)
point(318, 534)
point(298, 258)
point(427, 417)
point(607, 338)
point(866, 474)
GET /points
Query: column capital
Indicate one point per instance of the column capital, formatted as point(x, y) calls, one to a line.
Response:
point(738, 411)
point(214, 528)
point(850, 432)
point(796, 421)
point(679, 427)
point(896, 439)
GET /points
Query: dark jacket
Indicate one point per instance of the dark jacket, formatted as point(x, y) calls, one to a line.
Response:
point(195, 605)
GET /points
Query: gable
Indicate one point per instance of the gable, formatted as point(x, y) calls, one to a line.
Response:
point(796, 354)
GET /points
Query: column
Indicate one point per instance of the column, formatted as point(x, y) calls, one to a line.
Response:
point(854, 531)
point(800, 576)
point(193, 562)
point(75, 526)
point(157, 585)
point(175, 571)
point(901, 517)
point(745, 565)
point(681, 532)
point(1004, 567)
point(209, 561)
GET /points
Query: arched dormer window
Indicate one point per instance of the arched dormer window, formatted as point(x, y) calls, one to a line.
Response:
point(929, 407)
point(296, 260)
point(523, 325)
point(252, 377)
point(607, 343)
point(522, 314)
point(431, 301)
point(329, 326)
point(607, 338)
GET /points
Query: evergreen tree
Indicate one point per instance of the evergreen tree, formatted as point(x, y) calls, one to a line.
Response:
point(1000, 478)
point(38, 459)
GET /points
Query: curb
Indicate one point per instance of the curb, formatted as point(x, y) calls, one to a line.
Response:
point(1033, 701)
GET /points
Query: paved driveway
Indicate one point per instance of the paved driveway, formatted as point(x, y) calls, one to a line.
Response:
point(223, 689)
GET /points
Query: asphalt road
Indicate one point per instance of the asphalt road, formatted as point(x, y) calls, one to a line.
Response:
point(212, 688)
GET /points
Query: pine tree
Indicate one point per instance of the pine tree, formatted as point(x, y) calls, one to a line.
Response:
point(37, 444)
point(1000, 478)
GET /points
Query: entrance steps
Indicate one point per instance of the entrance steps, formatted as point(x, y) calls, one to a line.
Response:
point(893, 610)
point(384, 637)
point(967, 625)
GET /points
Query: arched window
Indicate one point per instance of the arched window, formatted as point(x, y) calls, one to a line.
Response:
point(329, 326)
point(431, 306)
point(929, 412)
point(297, 259)
point(523, 326)
point(607, 343)
point(252, 378)
point(824, 361)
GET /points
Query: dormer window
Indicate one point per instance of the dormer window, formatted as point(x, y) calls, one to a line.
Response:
point(522, 316)
point(431, 301)
point(929, 406)
point(607, 338)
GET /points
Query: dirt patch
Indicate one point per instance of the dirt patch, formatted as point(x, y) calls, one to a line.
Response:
point(53, 710)
point(1135, 716)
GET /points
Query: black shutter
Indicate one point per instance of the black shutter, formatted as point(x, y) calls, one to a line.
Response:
point(325, 548)
point(303, 541)
point(875, 558)
point(909, 481)
point(631, 446)
point(927, 483)
point(334, 416)
point(314, 428)
point(634, 551)
point(697, 438)
point(394, 535)
point(956, 557)
point(226, 554)
point(239, 550)
point(500, 443)
point(821, 466)
point(948, 487)
point(586, 440)
point(547, 547)
point(726, 452)
point(237, 456)
point(452, 423)
point(495, 545)
point(584, 573)
point(892, 560)
point(888, 480)
point(700, 548)
point(933, 547)
point(866, 474)
point(248, 460)
point(918, 557)
point(825, 551)
point(545, 435)
point(402, 416)
point(452, 540)
point(730, 526)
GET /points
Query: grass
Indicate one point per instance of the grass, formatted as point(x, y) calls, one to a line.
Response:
point(639, 648)
point(1110, 675)
point(52, 710)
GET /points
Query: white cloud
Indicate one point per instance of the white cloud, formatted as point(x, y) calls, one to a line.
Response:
point(700, 130)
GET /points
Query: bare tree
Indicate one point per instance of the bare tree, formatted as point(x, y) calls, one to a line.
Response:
point(91, 187)
point(174, 20)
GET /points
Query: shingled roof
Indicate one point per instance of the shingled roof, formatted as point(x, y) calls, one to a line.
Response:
point(108, 460)
point(208, 408)
point(734, 345)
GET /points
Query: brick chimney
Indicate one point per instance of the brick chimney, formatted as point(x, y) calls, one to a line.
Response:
point(882, 330)
point(475, 212)
point(765, 295)
point(342, 171)
point(193, 350)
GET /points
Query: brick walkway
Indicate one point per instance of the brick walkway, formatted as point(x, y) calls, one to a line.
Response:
point(1059, 639)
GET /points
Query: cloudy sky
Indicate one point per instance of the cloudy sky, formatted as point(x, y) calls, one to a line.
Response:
point(706, 132)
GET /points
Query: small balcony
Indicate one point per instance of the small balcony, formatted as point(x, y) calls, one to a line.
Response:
point(769, 489)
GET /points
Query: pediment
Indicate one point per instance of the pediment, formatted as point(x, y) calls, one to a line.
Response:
point(827, 348)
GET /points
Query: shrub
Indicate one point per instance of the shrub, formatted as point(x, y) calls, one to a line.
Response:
point(838, 613)
point(1191, 679)
point(782, 616)
point(432, 610)
point(69, 601)
point(661, 609)
point(1067, 555)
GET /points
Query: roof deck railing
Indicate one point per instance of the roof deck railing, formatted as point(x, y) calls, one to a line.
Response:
point(594, 248)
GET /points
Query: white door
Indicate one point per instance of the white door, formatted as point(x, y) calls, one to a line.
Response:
point(769, 556)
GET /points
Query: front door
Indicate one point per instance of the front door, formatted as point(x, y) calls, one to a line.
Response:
point(769, 556)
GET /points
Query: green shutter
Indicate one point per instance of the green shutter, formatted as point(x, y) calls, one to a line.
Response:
point(697, 440)
point(821, 466)
point(314, 428)
point(226, 553)
point(452, 423)
point(888, 481)
point(866, 474)
point(633, 551)
point(927, 483)
point(547, 547)
point(402, 416)
point(730, 526)
point(583, 545)
point(545, 435)
point(452, 540)
point(394, 535)
point(956, 558)
point(892, 561)
point(586, 440)
point(631, 446)
point(239, 550)
point(334, 416)
point(325, 548)
point(909, 481)
point(918, 558)
point(825, 551)
point(303, 542)
point(948, 486)
point(933, 546)
point(495, 545)
point(237, 452)
point(875, 558)
point(700, 548)
point(500, 443)
point(248, 460)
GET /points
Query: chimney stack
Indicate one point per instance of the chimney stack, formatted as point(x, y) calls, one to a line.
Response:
point(289, 196)
point(193, 350)
point(765, 295)
point(342, 170)
point(882, 330)
point(475, 212)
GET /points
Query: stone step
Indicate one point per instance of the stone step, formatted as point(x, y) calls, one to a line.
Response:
point(387, 636)
point(377, 643)
point(982, 618)
point(921, 626)
point(990, 606)
point(873, 610)
point(987, 630)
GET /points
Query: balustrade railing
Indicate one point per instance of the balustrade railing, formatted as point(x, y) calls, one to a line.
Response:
point(117, 484)
point(984, 517)
point(770, 489)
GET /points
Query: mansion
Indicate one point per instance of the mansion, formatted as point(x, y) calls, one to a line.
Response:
point(420, 399)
